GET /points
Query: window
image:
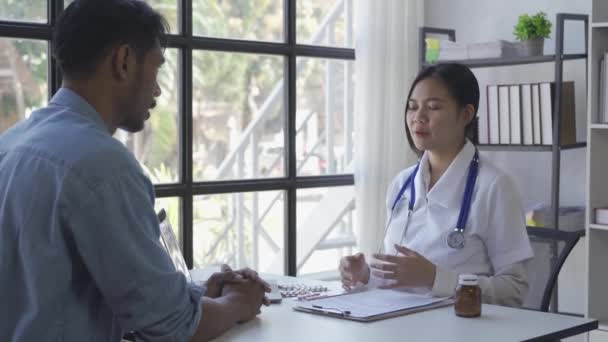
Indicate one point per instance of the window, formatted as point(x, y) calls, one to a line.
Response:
point(23, 10)
point(23, 78)
point(250, 146)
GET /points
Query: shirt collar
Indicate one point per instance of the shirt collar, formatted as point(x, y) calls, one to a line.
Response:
point(70, 99)
point(449, 189)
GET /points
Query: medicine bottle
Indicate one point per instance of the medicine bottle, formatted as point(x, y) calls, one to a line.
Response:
point(468, 296)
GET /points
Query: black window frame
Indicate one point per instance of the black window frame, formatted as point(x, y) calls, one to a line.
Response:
point(186, 189)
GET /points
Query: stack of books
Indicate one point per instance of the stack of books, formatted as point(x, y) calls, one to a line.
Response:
point(601, 215)
point(499, 49)
point(570, 218)
point(449, 50)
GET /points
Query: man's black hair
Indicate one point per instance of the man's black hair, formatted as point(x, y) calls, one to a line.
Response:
point(87, 29)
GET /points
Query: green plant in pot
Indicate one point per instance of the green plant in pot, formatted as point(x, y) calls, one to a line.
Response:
point(532, 31)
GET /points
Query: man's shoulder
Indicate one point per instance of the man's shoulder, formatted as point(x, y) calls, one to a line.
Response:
point(104, 158)
point(71, 141)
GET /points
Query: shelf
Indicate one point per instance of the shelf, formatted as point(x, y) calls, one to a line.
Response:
point(598, 226)
point(599, 126)
point(527, 148)
point(496, 62)
point(599, 25)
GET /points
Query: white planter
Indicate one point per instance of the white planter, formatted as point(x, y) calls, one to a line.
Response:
point(532, 47)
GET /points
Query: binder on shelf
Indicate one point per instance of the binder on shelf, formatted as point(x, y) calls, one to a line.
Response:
point(568, 112)
point(493, 125)
point(482, 126)
point(536, 125)
point(526, 114)
point(503, 115)
point(602, 95)
point(515, 114)
point(546, 108)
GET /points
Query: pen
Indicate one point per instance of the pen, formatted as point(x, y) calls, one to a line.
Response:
point(327, 309)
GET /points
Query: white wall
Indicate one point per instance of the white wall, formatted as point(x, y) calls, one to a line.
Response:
point(490, 20)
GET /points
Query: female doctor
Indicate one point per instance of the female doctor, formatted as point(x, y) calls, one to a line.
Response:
point(453, 212)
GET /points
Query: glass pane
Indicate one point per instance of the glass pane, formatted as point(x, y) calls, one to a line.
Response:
point(23, 79)
point(324, 118)
point(240, 229)
point(238, 106)
point(238, 19)
point(322, 22)
point(23, 10)
point(325, 230)
point(173, 208)
point(157, 146)
point(168, 8)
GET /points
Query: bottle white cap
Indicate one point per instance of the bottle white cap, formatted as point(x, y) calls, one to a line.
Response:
point(468, 279)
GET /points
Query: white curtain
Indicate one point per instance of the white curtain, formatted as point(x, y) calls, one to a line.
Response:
point(386, 64)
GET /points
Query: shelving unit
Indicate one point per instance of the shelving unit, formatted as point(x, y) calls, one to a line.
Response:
point(597, 173)
point(495, 62)
point(558, 59)
point(528, 148)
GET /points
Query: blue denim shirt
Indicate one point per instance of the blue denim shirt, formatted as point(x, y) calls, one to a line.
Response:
point(80, 257)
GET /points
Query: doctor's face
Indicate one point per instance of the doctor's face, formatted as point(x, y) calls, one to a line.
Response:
point(436, 121)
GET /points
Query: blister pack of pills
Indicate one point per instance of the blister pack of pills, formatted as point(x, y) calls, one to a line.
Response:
point(301, 291)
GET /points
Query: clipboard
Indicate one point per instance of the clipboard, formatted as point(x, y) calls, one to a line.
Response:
point(338, 313)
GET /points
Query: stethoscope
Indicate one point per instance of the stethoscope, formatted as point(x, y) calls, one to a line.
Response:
point(456, 238)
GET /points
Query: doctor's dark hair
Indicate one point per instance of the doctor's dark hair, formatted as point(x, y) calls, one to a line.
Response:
point(461, 84)
point(88, 29)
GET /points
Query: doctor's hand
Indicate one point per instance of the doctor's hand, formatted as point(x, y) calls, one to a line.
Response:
point(407, 269)
point(353, 271)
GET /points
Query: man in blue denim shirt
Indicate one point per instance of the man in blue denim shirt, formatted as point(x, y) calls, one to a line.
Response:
point(80, 258)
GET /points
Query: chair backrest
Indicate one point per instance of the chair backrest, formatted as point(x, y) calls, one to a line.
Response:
point(169, 242)
point(551, 248)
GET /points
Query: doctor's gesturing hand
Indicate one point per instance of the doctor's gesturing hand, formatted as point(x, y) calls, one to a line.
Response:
point(354, 270)
point(407, 269)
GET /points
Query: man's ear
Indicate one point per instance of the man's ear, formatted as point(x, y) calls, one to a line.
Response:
point(123, 62)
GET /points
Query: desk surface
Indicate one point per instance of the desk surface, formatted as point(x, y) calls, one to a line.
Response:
point(280, 323)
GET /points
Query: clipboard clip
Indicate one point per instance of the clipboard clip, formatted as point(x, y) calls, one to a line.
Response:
point(331, 310)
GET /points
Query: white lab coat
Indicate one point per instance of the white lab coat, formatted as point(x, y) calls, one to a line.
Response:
point(497, 244)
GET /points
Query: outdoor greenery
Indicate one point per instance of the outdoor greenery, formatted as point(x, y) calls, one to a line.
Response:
point(23, 10)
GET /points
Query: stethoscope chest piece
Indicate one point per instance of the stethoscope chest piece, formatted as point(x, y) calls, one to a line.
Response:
point(456, 239)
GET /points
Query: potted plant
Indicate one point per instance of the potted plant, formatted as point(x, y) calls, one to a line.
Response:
point(532, 31)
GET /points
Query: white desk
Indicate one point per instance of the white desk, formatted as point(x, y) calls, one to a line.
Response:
point(281, 323)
